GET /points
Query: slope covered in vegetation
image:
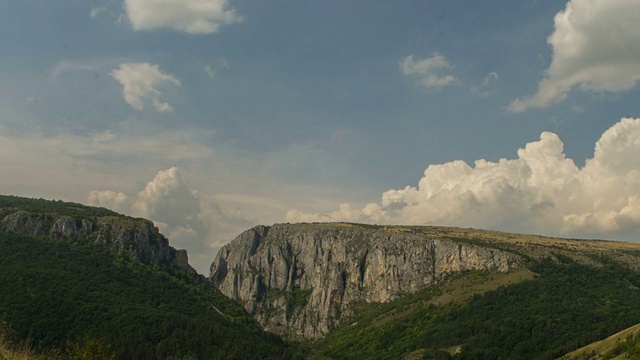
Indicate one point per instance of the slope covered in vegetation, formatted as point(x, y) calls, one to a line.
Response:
point(61, 295)
point(567, 305)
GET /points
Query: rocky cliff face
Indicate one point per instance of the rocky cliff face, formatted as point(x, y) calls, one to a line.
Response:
point(138, 239)
point(300, 280)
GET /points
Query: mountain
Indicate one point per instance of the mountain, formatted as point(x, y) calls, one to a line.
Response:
point(325, 268)
point(353, 291)
point(137, 239)
point(81, 281)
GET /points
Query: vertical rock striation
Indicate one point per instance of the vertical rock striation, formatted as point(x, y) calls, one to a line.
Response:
point(300, 279)
point(138, 239)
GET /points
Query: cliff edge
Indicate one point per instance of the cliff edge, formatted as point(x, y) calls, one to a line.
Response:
point(138, 239)
point(299, 280)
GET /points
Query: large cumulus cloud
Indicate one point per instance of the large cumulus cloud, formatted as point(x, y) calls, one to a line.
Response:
point(189, 218)
point(594, 46)
point(541, 191)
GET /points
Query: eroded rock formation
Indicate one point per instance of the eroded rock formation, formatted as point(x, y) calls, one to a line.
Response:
point(301, 279)
point(138, 239)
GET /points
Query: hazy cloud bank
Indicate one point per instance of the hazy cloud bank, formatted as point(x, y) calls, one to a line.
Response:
point(189, 218)
point(594, 46)
point(541, 191)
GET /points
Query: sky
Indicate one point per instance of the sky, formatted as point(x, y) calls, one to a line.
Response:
point(212, 116)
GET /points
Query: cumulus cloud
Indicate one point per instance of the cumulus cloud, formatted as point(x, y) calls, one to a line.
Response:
point(189, 218)
point(541, 191)
point(189, 16)
point(140, 82)
point(594, 46)
point(429, 72)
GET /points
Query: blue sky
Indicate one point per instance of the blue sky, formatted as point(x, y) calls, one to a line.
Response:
point(210, 116)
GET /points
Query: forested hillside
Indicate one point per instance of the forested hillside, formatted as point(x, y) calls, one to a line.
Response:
point(566, 306)
point(68, 294)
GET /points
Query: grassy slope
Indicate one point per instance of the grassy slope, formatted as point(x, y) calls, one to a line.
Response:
point(565, 306)
point(603, 348)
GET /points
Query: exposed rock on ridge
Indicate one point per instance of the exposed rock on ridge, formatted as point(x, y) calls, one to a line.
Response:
point(138, 239)
point(300, 279)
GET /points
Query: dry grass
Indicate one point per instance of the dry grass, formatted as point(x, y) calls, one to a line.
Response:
point(12, 351)
point(598, 349)
point(8, 351)
point(582, 251)
point(465, 288)
point(460, 290)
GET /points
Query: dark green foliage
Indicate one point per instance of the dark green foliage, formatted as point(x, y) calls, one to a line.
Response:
point(566, 307)
point(298, 298)
point(58, 294)
point(47, 207)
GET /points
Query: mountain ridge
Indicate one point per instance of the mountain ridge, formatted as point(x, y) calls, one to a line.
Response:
point(300, 280)
point(136, 238)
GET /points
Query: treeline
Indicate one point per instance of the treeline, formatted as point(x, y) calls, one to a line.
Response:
point(568, 306)
point(63, 294)
point(48, 206)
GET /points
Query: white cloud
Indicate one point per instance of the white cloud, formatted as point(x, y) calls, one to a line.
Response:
point(77, 164)
point(208, 69)
point(488, 85)
point(541, 191)
point(140, 83)
point(190, 219)
point(122, 160)
point(428, 71)
point(594, 47)
point(190, 16)
point(65, 67)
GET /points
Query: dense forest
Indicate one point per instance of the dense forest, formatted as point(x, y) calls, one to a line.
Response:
point(566, 306)
point(61, 294)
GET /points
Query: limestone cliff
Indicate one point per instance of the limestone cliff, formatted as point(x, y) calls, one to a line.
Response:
point(301, 279)
point(138, 239)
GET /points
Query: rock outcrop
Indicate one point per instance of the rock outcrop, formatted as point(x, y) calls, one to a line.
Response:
point(299, 280)
point(137, 239)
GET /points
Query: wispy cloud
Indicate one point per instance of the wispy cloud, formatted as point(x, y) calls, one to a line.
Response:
point(488, 85)
point(542, 191)
point(429, 72)
point(189, 16)
point(69, 67)
point(594, 47)
point(140, 83)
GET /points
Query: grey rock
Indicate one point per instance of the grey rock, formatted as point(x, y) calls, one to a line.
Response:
point(299, 280)
point(137, 239)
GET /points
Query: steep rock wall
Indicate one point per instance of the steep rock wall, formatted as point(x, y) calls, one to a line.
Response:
point(138, 239)
point(300, 279)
